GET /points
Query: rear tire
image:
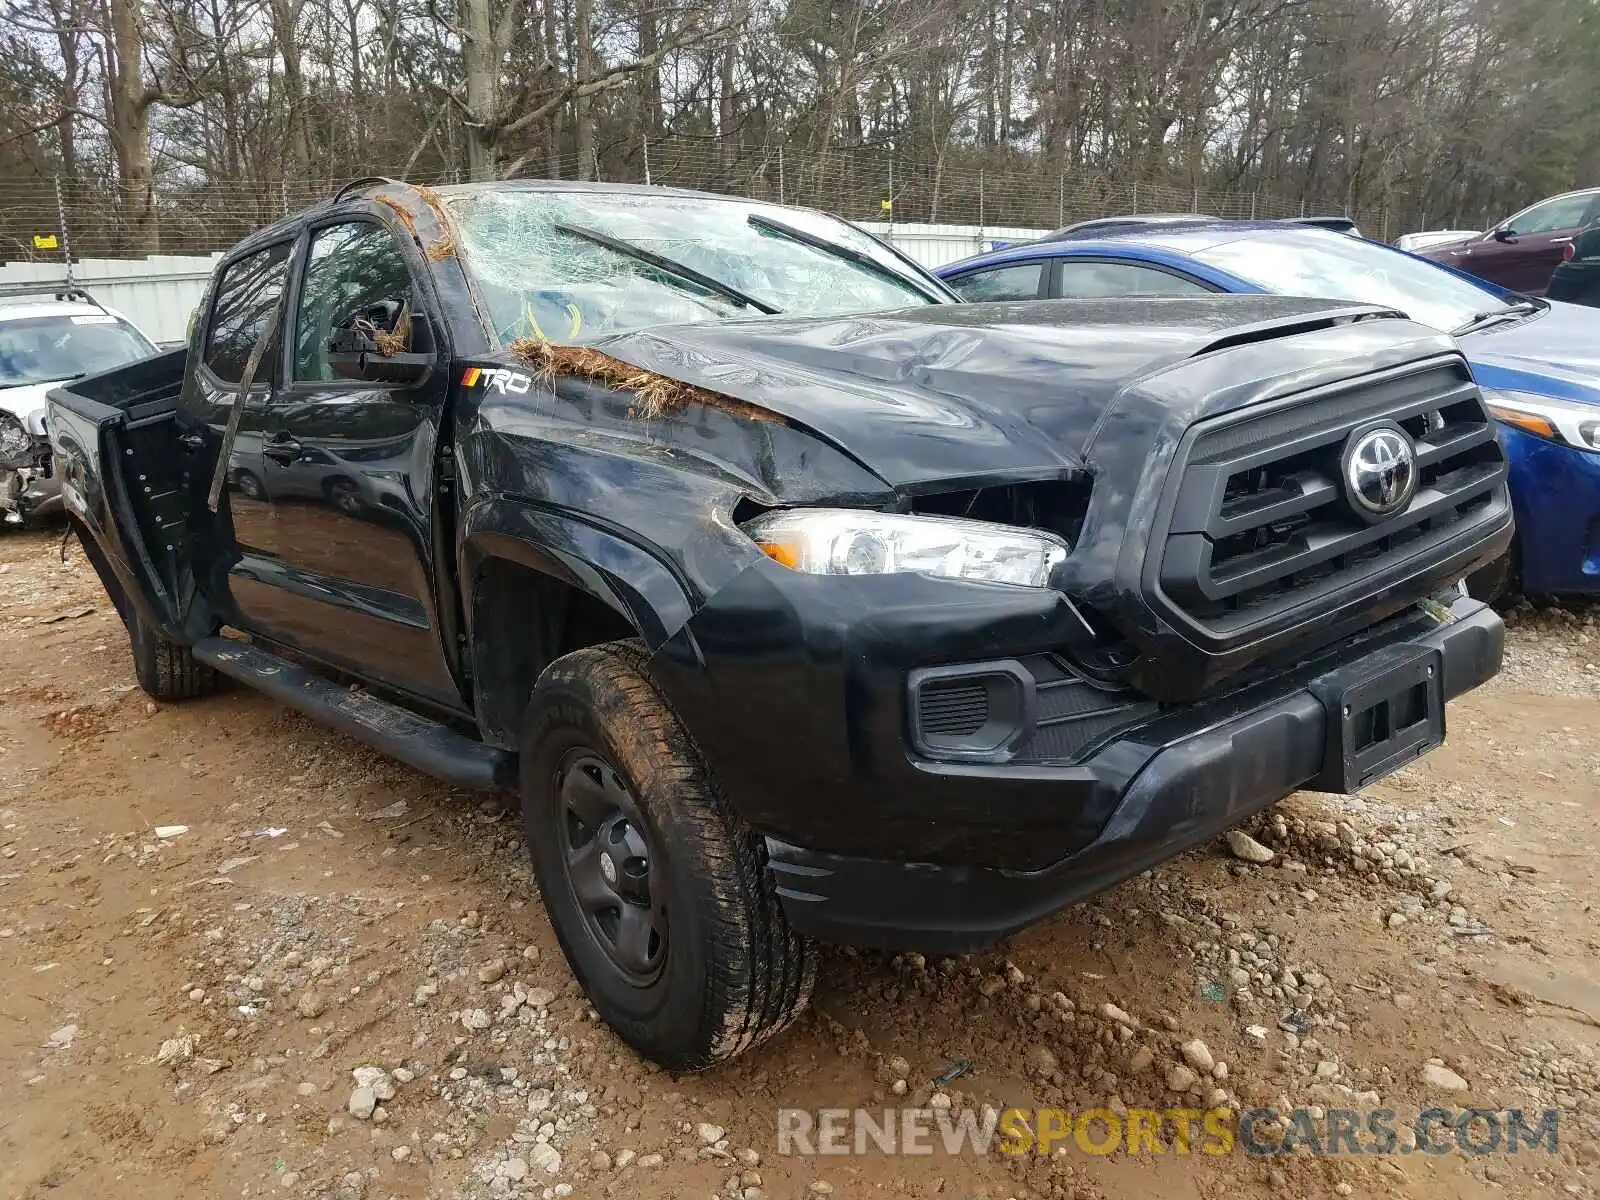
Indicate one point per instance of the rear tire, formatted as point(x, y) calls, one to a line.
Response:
point(719, 969)
point(165, 669)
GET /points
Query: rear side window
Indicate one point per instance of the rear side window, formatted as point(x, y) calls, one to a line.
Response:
point(246, 295)
point(1564, 213)
point(1090, 280)
point(1019, 281)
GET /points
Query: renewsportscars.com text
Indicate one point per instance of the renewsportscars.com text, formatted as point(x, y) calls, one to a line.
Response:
point(1214, 1131)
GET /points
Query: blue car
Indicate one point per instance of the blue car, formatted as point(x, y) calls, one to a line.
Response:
point(1537, 361)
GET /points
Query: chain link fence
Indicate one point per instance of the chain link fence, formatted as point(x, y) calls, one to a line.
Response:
point(93, 217)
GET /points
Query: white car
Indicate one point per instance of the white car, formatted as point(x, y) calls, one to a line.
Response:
point(48, 333)
point(1433, 238)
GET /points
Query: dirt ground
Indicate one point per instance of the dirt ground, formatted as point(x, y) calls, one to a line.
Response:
point(213, 914)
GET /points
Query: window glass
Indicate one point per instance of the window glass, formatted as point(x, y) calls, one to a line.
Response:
point(246, 295)
point(1019, 281)
point(1565, 213)
point(351, 266)
point(1088, 280)
point(1334, 266)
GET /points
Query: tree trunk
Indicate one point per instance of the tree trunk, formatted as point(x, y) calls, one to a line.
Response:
point(1006, 39)
point(726, 118)
point(130, 128)
point(582, 106)
point(481, 63)
point(552, 49)
point(71, 85)
point(299, 129)
point(727, 82)
point(649, 80)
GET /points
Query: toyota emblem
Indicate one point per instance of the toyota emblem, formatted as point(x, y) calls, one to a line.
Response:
point(1379, 465)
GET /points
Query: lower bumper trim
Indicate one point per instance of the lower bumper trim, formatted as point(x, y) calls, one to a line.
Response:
point(1190, 792)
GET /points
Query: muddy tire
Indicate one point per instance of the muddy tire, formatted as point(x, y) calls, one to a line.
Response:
point(165, 669)
point(688, 956)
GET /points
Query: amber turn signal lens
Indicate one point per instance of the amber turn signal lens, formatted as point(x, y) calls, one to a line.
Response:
point(1537, 426)
point(789, 556)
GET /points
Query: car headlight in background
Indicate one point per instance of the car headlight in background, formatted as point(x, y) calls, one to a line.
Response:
point(34, 423)
point(1564, 421)
point(16, 447)
point(835, 541)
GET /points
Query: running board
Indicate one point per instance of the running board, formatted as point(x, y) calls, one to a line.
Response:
point(416, 741)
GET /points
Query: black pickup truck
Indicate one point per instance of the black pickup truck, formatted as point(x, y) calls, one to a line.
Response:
point(794, 598)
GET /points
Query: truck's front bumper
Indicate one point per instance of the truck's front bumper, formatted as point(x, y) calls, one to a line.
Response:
point(1261, 745)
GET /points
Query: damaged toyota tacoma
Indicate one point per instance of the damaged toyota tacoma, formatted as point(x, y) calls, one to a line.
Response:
point(795, 599)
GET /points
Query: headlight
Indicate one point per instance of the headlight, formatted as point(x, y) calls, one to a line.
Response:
point(16, 447)
point(35, 424)
point(834, 541)
point(1545, 417)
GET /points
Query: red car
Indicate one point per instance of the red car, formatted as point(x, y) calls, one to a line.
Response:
point(1522, 251)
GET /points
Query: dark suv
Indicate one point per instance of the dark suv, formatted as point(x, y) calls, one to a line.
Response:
point(793, 598)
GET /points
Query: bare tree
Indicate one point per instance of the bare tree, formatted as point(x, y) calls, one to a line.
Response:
point(1025, 111)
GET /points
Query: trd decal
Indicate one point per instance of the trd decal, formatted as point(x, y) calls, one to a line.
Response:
point(497, 379)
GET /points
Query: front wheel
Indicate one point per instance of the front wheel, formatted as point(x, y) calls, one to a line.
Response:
point(344, 495)
point(249, 486)
point(658, 892)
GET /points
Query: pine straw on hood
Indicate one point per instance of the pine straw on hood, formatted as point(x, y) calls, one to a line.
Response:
point(655, 395)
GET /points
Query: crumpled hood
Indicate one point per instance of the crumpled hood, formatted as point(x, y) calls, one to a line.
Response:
point(952, 392)
point(1556, 353)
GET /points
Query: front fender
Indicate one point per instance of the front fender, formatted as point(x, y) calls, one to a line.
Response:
point(600, 561)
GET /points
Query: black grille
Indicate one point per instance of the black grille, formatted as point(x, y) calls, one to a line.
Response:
point(1262, 527)
point(957, 708)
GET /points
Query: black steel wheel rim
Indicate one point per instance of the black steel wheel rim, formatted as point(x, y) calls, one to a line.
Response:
point(611, 871)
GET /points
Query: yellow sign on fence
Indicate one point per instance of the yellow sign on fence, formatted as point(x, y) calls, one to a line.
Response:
point(46, 241)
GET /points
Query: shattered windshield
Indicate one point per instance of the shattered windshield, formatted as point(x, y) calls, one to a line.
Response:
point(541, 279)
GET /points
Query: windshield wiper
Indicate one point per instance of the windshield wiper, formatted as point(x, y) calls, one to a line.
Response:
point(19, 383)
point(1520, 307)
point(666, 265)
point(865, 261)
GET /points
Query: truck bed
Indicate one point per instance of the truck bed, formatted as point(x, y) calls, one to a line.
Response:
point(148, 387)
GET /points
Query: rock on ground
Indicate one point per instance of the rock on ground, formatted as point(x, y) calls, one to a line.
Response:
point(1245, 847)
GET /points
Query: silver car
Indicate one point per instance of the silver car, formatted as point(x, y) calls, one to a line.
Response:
point(48, 333)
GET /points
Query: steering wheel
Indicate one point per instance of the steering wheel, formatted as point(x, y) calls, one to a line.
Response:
point(561, 314)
